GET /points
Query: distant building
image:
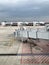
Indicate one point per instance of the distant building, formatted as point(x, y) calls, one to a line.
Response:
point(3, 23)
point(30, 24)
point(14, 24)
point(38, 23)
point(9, 23)
point(25, 23)
point(46, 23)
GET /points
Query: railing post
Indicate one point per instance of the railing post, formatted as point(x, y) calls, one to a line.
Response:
point(28, 34)
point(37, 34)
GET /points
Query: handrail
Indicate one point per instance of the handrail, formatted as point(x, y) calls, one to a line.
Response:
point(25, 54)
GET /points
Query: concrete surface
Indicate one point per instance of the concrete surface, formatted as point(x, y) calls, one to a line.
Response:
point(8, 44)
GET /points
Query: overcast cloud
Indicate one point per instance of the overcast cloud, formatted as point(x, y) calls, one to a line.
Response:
point(24, 8)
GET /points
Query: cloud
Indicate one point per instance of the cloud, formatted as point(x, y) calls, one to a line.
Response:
point(13, 2)
point(24, 7)
point(20, 2)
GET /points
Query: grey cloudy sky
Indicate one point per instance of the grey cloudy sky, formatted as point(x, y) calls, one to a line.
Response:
point(24, 8)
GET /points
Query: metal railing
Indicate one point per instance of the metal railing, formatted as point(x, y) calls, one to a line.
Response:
point(32, 34)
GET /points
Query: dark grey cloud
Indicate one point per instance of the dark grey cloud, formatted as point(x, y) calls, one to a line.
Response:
point(24, 8)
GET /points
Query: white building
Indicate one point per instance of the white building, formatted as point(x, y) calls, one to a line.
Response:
point(35, 23)
point(3, 23)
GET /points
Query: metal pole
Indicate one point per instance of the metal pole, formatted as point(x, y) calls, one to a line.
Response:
point(37, 34)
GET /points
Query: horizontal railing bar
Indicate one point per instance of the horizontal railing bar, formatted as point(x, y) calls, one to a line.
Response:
point(24, 54)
